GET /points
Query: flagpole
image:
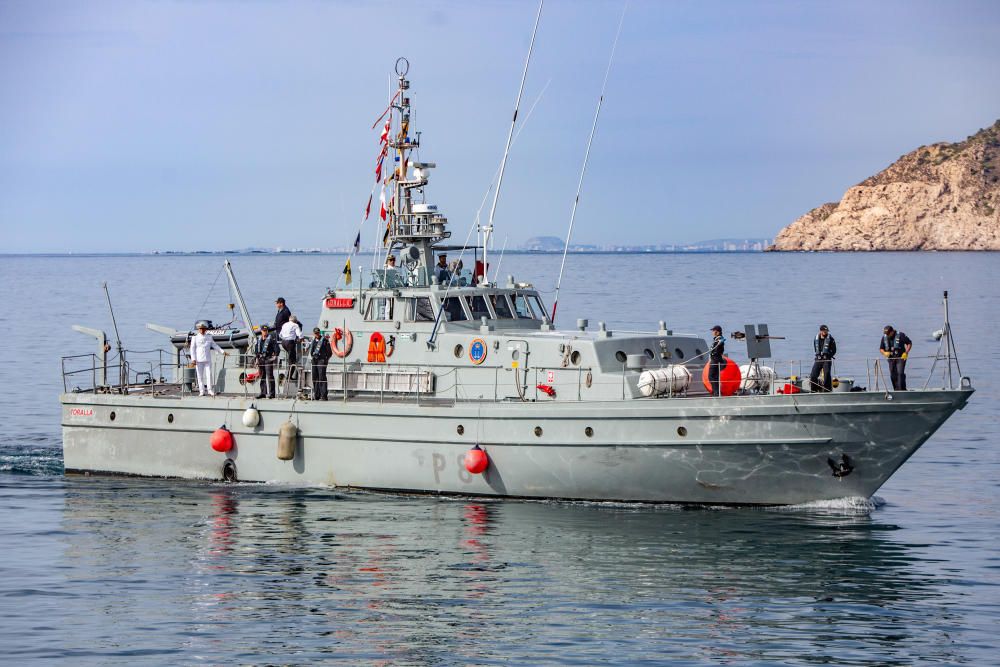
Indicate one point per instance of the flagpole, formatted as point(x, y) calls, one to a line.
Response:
point(510, 135)
point(586, 158)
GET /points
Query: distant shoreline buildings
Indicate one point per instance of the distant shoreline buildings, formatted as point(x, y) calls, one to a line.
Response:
point(535, 245)
point(541, 245)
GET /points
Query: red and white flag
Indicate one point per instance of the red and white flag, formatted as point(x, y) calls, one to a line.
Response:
point(385, 130)
point(368, 208)
point(382, 211)
point(378, 169)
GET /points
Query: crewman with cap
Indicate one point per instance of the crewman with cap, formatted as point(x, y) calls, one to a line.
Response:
point(441, 270)
point(716, 360)
point(265, 353)
point(320, 353)
point(201, 358)
point(895, 347)
point(825, 349)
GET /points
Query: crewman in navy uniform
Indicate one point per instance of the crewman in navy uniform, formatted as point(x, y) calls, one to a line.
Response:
point(265, 352)
point(716, 360)
point(825, 348)
point(282, 316)
point(441, 270)
point(320, 353)
point(895, 347)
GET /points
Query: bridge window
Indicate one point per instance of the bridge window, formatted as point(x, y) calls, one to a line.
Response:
point(379, 308)
point(501, 306)
point(419, 310)
point(453, 310)
point(521, 307)
point(536, 305)
point(477, 305)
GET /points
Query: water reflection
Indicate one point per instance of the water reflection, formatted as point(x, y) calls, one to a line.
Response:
point(300, 574)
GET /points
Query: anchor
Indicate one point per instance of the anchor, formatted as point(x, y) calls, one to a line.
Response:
point(842, 469)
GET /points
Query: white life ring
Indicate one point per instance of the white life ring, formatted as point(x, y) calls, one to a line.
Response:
point(335, 336)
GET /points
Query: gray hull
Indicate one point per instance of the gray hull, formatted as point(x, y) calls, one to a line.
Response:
point(744, 450)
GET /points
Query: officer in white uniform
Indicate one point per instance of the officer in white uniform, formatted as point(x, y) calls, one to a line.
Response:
point(289, 336)
point(201, 356)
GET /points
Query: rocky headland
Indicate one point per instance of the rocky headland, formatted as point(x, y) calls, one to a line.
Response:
point(938, 197)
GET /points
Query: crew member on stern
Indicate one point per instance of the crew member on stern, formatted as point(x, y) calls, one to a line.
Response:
point(716, 360)
point(320, 353)
point(289, 335)
point(895, 347)
point(282, 316)
point(265, 353)
point(201, 358)
point(825, 348)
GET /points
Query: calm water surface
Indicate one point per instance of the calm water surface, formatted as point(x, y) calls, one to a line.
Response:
point(124, 571)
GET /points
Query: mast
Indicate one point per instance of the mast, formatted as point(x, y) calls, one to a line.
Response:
point(414, 226)
point(488, 229)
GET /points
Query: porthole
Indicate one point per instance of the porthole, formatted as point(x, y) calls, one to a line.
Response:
point(589, 432)
point(458, 351)
point(575, 358)
point(170, 418)
point(648, 352)
point(681, 431)
point(460, 429)
point(620, 356)
point(697, 351)
point(112, 415)
point(679, 352)
point(538, 431)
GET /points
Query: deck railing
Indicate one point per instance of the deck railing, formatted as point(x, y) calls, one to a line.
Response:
point(159, 369)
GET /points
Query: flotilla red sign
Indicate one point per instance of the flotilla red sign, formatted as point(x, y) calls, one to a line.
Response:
point(335, 302)
point(81, 412)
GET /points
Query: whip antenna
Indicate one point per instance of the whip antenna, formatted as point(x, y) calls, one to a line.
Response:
point(488, 229)
point(586, 157)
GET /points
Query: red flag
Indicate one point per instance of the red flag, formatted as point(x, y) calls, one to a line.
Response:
point(368, 208)
point(378, 170)
point(381, 198)
point(385, 130)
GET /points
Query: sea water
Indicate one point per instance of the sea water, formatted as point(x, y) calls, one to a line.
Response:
point(122, 571)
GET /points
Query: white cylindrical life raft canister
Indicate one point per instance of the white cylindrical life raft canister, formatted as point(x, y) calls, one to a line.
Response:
point(756, 377)
point(672, 379)
point(287, 435)
point(251, 417)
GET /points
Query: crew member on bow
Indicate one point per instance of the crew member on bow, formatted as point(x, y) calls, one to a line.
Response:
point(825, 348)
point(716, 360)
point(265, 353)
point(201, 358)
point(320, 353)
point(895, 347)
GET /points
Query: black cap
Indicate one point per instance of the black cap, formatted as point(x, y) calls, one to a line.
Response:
point(280, 299)
point(316, 330)
point(887, 328)
point(823, 327)
point(716, 328)
point(264, 327)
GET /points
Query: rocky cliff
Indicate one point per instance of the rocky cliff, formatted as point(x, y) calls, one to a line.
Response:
point(938, 197)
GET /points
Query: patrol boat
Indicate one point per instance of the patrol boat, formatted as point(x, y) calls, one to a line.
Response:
point(448, 382)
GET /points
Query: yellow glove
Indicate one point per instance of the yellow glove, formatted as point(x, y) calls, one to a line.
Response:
point(885, 353)
point(904, 356)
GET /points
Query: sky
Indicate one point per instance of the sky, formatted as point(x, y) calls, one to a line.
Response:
point(184, 125)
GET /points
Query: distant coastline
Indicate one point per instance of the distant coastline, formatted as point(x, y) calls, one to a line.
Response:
point(547, 245)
